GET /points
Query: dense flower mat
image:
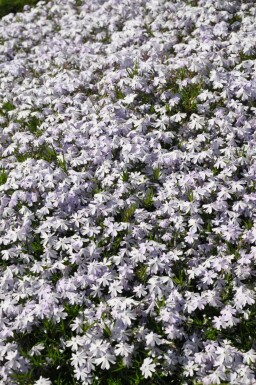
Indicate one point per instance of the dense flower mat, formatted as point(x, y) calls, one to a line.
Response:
point(127, 193)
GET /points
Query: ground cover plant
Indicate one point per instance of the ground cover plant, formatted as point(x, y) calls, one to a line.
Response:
point(127, 193)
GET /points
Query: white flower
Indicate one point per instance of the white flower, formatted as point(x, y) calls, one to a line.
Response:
point(190, 368)
point(249, 357)
point(123, 349)
point(148, 367)
point(36, 350)
point(115, 288)
point(140, 291)
point(105, 360)
point(75, 342)
point(153, 339)
point(43, 381)
point(79, 358)
point(129, 98)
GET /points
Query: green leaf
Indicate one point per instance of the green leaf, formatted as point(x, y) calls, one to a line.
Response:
point(3, 177)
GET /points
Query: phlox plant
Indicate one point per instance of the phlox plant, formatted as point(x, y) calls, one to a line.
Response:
point(128, 193)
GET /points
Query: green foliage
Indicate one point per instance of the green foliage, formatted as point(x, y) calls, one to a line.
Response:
point(247, 223)
point(128, 213)
point(43, 152)
point(107, 38)
point(149, 31)
point(36, 247)
point(235, 18)
point(183, 73)
point(132, 72)
point(244, 56)
point(188, 97)
point(8, 106)
point(118, 92)
point(116, 152)
point(125, 176)
point(179, 278)
point(211, 334)
point(55, 277)
point(147, 202)
point(193, 3)
point(106, 331)
point(190, 196)
point(23, 157)
point(215, 171)
point(141, 273)
point(33, 125)
point(47, 153)
point(160, 303)
point(3, 177)
point(156, 174)
point(114, 381)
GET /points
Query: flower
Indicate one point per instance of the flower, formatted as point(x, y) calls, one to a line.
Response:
point(123, 349)
point(105, 360)
point(43, 381)
point(249, 357)
point(36, 350)
point(148, 367)
point(153, 339)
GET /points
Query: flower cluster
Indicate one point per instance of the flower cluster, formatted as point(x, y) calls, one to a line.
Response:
point(128, 192)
